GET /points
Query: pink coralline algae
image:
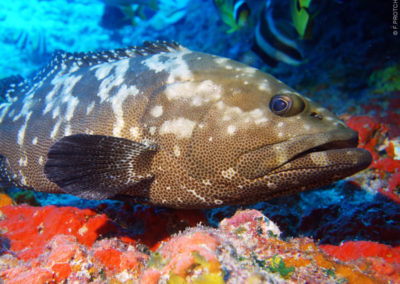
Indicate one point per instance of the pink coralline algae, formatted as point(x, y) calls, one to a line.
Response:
point(65, 244)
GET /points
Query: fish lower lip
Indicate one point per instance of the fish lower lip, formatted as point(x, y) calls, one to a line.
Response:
point(353, 159)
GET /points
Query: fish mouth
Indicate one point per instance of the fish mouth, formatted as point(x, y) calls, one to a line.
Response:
point(349, 144)
point(331, 154)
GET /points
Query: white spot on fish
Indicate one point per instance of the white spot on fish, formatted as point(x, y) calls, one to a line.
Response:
point(249, 70)
point(231, 129)
point(63, 87)
point(23, 161)
point(21, 131)
point(198, 93)
point(152, 130)
point(171, 63)
point(56, 112)
point(41, 160)
point(264, 86)
point(197, 195)
point(73, 68)
point(103, 70)
point(114, 79)
point(229, 113)
point(206, 182)
point(135, 133)
point(117, 102)
point(23, 180)
point(26, 105)
point(180, 127)
point(67, 130)
point(55, 129)
point(257, 116)
point(280, 124)
point(156, 111)
point(34, 140)
point(221, 60)
point(228, 173)
point(177, 151)
point(90, 108)
point(72, 103)
point(218, 201)
point(4, 110)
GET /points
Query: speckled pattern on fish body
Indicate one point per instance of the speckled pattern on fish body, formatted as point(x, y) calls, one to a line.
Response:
point(171, 127)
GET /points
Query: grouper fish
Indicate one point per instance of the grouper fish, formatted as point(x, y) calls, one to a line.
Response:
point(168, 126)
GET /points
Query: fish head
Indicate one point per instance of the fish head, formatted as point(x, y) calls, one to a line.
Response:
point(262, 139)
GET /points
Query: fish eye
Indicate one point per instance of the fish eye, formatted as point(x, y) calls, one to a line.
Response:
point(286, 104)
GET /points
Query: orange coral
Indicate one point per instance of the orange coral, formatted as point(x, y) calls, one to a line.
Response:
point(5, 200)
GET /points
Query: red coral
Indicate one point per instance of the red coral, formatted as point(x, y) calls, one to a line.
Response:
point(373, 136)
point(370, 131)
point(383, 260)
point(112, 254)
point(29, 228)
point(353, 250)
point(388, 165)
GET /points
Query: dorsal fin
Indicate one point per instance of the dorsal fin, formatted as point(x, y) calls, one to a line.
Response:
point(62, 60)
point(9, 86)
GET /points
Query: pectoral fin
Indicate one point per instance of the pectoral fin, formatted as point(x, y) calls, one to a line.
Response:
point(96, 166)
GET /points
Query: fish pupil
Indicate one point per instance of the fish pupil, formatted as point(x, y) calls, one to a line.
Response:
point(279, 105)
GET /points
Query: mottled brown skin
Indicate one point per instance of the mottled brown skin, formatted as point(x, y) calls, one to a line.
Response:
point(213, 136)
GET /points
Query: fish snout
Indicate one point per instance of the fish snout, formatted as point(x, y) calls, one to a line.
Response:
point(323, 151)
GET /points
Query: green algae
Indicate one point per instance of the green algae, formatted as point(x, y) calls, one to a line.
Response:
point(278, 266)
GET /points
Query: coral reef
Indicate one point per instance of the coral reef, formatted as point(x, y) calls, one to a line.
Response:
point(376, 138)
point(80, 245)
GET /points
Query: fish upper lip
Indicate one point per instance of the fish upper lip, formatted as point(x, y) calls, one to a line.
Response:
point(257, 163)
point(351, 142)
